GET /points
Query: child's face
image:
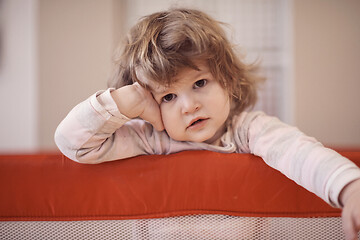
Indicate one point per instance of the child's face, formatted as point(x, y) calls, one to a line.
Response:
point(195, 107)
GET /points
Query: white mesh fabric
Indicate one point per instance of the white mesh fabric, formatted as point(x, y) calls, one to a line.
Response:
point(183, 227)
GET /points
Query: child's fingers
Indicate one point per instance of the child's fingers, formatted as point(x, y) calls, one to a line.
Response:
point(355, 224)
point(348, 228)
point(351, 220)
point(152, 114)
point(151, 109)
point(153, 117)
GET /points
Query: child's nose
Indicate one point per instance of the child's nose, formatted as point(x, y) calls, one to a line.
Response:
point(189, 105)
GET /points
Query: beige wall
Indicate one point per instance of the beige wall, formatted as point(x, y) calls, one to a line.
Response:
point(18, 76)
point(327, 70)
point(76, 41)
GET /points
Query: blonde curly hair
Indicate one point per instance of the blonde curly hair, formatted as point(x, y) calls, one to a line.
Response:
point(163, 43)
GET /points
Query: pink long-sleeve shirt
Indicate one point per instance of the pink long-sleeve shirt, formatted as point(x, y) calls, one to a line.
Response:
point(95, 131)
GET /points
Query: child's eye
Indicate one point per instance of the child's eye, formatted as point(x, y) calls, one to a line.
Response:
point(200, 83)
point(168, 97)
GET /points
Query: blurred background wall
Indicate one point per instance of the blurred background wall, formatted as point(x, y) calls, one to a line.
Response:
point(56, 53)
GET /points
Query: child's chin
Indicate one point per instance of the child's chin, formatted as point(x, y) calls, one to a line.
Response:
point(199, 138)
point(189, 139)
point(202, 140)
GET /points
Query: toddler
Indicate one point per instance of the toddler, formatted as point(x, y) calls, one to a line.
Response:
point(178, 85)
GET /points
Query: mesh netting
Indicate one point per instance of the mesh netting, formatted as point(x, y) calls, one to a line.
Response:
point(183, 227)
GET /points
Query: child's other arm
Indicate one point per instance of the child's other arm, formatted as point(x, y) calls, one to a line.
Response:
point(96, 131)
point(301, 158)
point(306, 161)
point(350, 198)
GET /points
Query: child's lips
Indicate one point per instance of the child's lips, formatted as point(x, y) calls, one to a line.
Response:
point(197, 123)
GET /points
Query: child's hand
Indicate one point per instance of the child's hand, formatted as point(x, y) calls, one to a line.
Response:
point(135, 101)
point(350, 197)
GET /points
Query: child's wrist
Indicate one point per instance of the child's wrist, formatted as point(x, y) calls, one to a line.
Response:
point(348, 190)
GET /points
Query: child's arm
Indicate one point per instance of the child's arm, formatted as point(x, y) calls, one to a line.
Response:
point(96, 131)
point(350, 198)
point(301, 158)
point(306, 161)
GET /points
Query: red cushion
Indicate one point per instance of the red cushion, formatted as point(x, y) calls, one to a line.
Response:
point(52, 187)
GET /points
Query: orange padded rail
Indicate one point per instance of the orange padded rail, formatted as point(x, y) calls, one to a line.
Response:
point(51, 187)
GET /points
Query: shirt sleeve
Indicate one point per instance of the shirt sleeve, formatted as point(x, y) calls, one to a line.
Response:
point(300, 157)
point(95, 131)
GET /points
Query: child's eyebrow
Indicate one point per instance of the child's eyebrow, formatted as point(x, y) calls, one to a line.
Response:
point(147, 87)
point(157, 91)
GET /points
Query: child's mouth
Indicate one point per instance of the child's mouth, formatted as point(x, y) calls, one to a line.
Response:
point(197, 122)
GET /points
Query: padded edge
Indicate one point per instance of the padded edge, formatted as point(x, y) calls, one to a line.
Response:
point(50, 187)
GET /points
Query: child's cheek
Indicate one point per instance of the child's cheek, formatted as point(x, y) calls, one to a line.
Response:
point(171, 120)
point(164, 111)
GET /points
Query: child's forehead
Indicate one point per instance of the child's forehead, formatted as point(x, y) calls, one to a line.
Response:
point(184, 75)
point(154, 86)
point(148, 83)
